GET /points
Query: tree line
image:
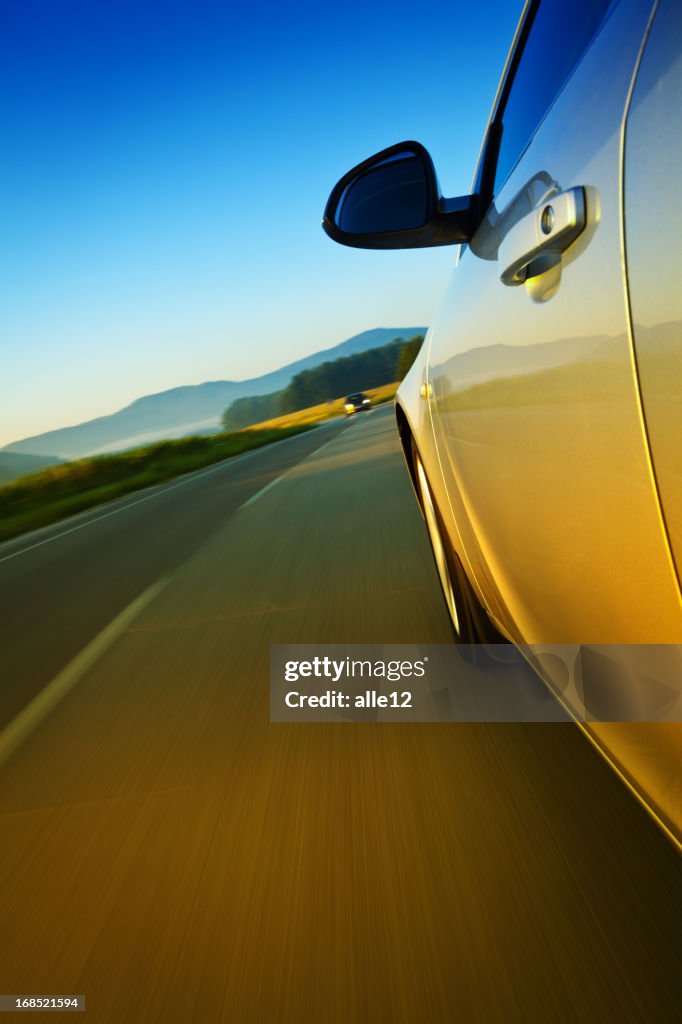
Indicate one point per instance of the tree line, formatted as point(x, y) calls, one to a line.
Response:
point(326, 382)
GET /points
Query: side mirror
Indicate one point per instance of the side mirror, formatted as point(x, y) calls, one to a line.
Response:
point(392, 201)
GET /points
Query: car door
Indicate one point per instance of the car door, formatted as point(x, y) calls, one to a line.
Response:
point(533, 388)
point(653, 228)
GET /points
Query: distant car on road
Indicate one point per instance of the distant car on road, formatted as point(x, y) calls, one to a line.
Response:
point(358, 402)
point(541, 419)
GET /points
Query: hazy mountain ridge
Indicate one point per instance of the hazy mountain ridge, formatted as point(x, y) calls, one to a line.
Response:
point(500, 360)
point(168, 413)
point(489, 362)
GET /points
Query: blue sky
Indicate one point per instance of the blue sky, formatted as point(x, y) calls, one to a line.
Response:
point(164, 172)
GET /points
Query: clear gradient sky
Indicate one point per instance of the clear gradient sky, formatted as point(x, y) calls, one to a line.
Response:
point(164, 172)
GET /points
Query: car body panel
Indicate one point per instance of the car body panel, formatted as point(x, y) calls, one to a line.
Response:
point(535, 404)
point(651, 753)
point(525, 405)
point(653, 233)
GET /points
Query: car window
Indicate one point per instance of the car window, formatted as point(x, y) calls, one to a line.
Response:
point(559, 35)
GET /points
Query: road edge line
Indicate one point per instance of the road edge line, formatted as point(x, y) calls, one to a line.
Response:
point(35, 713)
point(123, 503)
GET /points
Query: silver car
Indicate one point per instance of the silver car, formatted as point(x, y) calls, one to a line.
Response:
point(542, 420)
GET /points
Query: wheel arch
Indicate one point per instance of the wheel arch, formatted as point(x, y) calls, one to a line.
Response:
point(406, 435)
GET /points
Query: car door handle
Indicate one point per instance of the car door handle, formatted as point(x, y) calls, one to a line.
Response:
point(536, 243)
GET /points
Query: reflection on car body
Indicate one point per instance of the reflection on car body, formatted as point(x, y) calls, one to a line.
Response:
point(541, 420)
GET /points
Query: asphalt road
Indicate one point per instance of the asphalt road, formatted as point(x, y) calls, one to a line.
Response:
point(171, 854)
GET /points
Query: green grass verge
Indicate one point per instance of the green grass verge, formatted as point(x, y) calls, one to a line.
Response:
point(49, 495)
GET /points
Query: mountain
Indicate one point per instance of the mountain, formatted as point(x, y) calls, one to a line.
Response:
point(491, 362)
point(192, 409)
point(13, 465)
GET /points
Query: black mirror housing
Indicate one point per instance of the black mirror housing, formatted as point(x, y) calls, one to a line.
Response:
point(392, 201)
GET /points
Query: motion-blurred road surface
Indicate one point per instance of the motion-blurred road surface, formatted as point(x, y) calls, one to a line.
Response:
point(171, 854)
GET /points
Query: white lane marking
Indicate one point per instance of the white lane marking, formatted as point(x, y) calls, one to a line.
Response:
point(21, 727)
point(158, 489)
point(268, 487)
point(263, 490)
